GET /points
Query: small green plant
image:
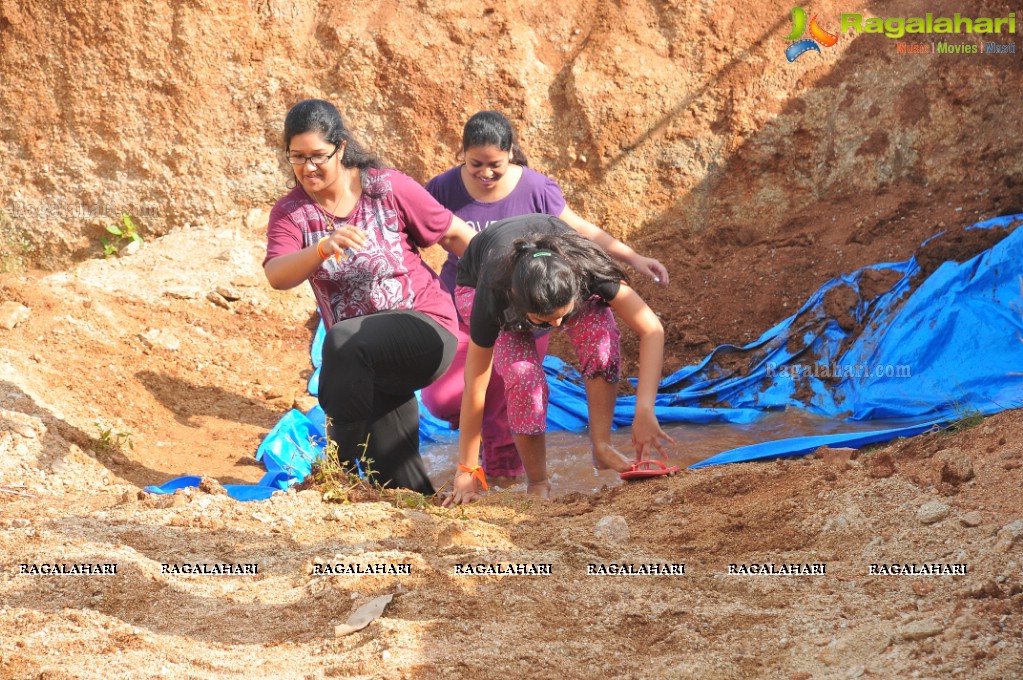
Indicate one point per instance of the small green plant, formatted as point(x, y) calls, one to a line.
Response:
point(412, 500)
point(341, 480)
point(109, 439)
point(128, 231)
point(967, 416)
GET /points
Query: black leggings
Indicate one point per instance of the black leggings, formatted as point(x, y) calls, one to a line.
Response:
point(372, 366)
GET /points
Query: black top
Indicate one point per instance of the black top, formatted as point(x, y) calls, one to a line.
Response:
point(486, 250)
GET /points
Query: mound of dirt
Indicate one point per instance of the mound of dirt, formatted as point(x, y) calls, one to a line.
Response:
point(958, 245)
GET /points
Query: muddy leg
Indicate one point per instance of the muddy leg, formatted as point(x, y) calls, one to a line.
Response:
point(600, 402)
point(533, 450)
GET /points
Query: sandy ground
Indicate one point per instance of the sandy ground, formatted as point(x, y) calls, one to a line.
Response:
point(679, 127)
point(185, 382)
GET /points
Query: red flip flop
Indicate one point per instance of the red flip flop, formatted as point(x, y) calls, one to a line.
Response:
point(637, 473)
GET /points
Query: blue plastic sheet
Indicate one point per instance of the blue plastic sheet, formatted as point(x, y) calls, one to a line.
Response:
point(926, 355)
point(316, 356)
point(922, 354)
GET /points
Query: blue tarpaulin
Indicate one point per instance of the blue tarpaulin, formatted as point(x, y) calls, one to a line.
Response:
point(924, 354)
point(916, 354)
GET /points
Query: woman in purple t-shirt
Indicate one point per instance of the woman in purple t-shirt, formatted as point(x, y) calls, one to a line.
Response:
point(353, 230)
point(495, 183)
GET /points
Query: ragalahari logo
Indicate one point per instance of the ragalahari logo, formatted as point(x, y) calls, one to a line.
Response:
point(801, 47)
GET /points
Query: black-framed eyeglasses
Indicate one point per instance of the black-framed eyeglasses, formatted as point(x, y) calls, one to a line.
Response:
point(315, 159)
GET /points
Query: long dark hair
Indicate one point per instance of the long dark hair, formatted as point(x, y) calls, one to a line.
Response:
point(490, 128)
point(547, 271)
point(318, 115)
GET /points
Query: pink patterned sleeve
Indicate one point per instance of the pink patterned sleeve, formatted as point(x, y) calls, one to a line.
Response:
point(283, 236)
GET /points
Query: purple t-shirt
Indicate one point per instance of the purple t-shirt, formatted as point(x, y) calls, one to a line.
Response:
point(388, 272)
point(535, 193)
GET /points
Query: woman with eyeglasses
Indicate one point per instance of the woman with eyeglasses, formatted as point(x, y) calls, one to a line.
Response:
point(527, 274)
point(354, 229)
point(494, 183)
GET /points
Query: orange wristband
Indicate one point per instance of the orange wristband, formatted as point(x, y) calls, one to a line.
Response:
point(476, 472)
point(319, 248)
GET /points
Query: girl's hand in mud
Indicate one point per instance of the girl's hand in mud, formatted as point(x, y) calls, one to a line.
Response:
point(464, 490)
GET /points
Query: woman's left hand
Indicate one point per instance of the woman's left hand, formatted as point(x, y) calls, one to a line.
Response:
point(647, 434)
point(648, 266)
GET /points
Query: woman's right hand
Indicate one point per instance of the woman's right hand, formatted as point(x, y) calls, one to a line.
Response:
point(650, 267)
point(341, 239)
point(464, 490)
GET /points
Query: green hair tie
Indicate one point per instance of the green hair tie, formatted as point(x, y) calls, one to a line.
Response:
point(542, 253)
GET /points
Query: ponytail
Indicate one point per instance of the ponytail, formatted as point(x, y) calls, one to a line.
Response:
point(546, 272)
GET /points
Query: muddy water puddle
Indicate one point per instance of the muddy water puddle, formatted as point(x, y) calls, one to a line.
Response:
point(568, 453)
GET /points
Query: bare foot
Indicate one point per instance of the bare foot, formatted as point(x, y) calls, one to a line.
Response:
point(607, 457)
point(541, 489)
